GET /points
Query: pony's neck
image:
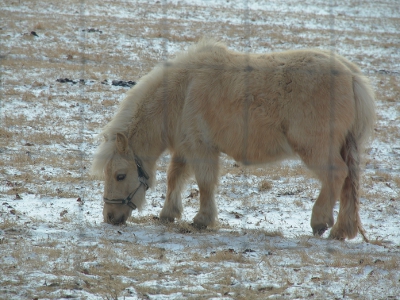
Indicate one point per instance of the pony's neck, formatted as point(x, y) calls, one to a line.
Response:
point(151, 132)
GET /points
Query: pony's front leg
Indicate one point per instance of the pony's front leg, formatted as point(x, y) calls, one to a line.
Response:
point(178, 172)
point(206, 173)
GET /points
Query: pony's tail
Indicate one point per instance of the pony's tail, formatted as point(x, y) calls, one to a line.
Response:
point(349, 218)
point(364, 97)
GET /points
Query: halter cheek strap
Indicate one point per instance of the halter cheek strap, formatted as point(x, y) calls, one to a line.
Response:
point(143, 177)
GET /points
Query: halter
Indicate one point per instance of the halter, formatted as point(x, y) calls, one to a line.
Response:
point(143, 176)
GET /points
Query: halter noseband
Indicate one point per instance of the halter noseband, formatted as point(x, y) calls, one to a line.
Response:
point(143, 176)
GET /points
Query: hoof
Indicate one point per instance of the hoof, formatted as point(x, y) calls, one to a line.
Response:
point(198, 226)
point(169, 213)
point(337, 234)
point(166, 220)
point(320, 230)
point(202, 221)
point(334, 237)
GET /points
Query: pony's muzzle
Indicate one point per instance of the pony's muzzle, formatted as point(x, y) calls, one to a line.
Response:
point(116, 214)
point(110, 219)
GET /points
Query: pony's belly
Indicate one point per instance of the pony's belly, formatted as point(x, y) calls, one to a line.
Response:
point(259, 149)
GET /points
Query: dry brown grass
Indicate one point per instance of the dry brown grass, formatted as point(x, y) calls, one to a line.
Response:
point(264, 186)
point(8, 222)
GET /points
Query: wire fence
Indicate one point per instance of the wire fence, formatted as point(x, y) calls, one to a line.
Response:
point(48, 128)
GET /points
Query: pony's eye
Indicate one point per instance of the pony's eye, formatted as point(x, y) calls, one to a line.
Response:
point(121, 177)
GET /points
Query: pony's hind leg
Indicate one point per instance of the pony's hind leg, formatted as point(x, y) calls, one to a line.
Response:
point(332, 175)
point(178, 172)
point(206, 173)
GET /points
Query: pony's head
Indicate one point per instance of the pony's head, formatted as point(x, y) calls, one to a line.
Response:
point(125, 182)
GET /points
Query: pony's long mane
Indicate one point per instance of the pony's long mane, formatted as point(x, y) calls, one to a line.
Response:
point(125, 118)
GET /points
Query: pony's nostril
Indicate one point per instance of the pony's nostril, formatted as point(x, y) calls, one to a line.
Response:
point(110, 218)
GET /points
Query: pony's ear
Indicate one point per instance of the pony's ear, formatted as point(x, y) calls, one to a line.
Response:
point(121, 143)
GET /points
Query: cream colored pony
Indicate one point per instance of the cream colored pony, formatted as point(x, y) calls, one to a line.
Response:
point(257, 108)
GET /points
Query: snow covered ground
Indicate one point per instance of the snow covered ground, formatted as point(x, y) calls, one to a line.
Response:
point(53, 243)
